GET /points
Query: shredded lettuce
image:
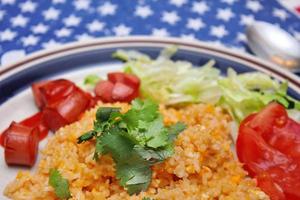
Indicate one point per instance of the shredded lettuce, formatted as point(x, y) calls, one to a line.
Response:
point(250, 92)
point(91, 80)
point(176, 82)
point(173, 82)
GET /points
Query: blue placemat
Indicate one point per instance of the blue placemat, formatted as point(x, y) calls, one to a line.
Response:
point(28, 26)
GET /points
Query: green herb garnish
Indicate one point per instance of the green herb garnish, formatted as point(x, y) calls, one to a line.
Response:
point(136, 140)
point(147, 198)
point(60, 185)
point(91, 80)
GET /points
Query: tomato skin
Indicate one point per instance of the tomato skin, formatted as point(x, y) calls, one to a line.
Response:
point(56, 90)
point(128, 79)
point(66, 110)
point(123, 93)
point(36, 120)
point(35, 87)
point(103, 90)
point(61, 99)
point(120, 87)
point(47, 92)
point(272, 189)
point(53, 119)
point(269, 143)
point(21, 145)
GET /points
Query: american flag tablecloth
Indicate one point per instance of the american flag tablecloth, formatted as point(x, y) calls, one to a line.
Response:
point(27, 26)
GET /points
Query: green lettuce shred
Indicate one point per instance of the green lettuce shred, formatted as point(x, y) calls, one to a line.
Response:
point(179, 82)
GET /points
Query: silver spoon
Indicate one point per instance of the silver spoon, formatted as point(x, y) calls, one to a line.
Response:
point(273, 43)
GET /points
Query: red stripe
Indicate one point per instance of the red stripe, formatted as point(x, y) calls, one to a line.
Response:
point(298, 9)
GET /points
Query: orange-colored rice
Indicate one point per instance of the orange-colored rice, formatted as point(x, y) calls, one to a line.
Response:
point(203, 166)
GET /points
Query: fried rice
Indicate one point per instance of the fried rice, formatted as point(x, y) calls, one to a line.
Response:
point(203, 166)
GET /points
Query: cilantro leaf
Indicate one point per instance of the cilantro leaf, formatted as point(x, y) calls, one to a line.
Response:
point(136, 140)
point(175, 129)
point(103, 114)
point(87, 136)
point(147, 198)
point(60, 185)
point(134, 176)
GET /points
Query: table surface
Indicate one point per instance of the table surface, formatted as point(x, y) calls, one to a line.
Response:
point(27, 26)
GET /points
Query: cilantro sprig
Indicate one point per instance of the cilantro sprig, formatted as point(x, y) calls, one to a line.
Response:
point(136, 140)
point(60, 185)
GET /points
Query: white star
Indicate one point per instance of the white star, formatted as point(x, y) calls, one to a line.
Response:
point(218, 31)
point(95, 26)
point(107, 9)
point(143, 11)
point(72, 20)
point(225, 14)
point(63, 32)
point(28, 6)
point(58, 1)
point(7, 35)
point(121, 30)
point(247, 19)
point(178, 3)
point(170, 17)
point(81, 4)
point(51, 14)
point(19, 20)
point(200, 7)
point(195, 24)
point(188, 37)
point(162, 32)
point(40, 28)
point(11, 2)
point(50, 44)
point(255, 6)
point(84, 37)
point(29, 40)
point(229, 1)
point(241, 37)
point(280, 13)
point(2, 13)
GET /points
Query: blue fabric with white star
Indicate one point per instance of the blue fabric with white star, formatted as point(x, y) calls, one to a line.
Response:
point(31, 25)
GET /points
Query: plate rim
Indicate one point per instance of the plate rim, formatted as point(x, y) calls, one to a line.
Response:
point(77, 45)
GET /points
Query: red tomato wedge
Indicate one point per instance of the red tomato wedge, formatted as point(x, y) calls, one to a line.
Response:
point(128, 79)
point(21, 145)
point(61, 101)
point(36, 120)
point(66, 110)
point(271, 188)
point(119, 87)
point(103, 90)
point(123, 93)
point(51, 91)
point(269, 146)
point(35, 87)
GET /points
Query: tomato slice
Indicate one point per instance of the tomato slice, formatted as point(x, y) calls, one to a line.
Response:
point(66, 110)
point(35, 87)
point(272, 189)
point(56, 90)
point(21, 145)
point(123, 93)
point(36, 120)
point(47, 92)
point(103, 90)
point(128, 79)
point(269, 143)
